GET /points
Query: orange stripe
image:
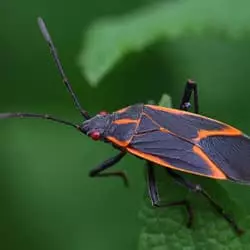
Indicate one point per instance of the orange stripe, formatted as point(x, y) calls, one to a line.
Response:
point(124, 121)
point(169, 110)
point(166, 131)
point(124, 144)
point(159, 161)
point(216, 172)
point(181, 112)
point(149, 117)
point(122, 110)
point(230, 131)
point(117, 142)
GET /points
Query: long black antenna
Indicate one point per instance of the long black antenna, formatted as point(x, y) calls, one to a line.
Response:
point(54, 54)
point(41, 116)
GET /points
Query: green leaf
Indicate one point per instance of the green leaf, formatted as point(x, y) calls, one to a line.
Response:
point(165, 228)
point(108, 40)
point(165, 101)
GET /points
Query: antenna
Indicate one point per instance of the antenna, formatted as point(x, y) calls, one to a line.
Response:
point(41, 116)
point(58, 63)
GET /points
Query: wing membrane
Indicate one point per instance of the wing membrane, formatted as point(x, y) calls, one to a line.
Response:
point(170, 151)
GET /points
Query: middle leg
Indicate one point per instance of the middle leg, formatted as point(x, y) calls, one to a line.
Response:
point(155, 199)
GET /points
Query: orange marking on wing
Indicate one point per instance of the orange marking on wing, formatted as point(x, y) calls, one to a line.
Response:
point(169, 110)
point(124, 144)
point(230, 131)
point(181, 112)
point(166, 131)
point(124, 121)
point(117, 142)
point(122, 110)
point(149, 117)
point(216, 172)
point(163, 163)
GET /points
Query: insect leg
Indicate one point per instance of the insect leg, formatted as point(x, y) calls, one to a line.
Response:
point(155, 199)
point(198, 189)
point(190, 87)
point(97, 172)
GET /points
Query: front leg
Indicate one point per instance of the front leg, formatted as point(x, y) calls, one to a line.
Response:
point(97, 172)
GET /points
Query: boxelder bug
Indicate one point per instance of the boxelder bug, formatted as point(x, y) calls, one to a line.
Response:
point(171, 138)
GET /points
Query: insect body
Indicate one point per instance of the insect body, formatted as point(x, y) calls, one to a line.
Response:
point(174, 139)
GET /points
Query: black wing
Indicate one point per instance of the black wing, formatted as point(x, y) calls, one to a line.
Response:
point(192, 143)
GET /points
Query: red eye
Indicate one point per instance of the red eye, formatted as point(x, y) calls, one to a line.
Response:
point(95, 135)
point(103, 113)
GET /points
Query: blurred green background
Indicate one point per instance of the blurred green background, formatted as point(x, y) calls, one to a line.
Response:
point(47, 200)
